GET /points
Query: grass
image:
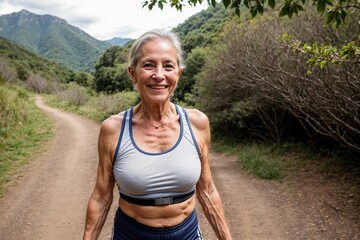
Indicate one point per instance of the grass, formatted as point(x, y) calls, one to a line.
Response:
point(255, 158)
point(97, 107)
point(259, 162)
point(24, 136)
point(279, 160)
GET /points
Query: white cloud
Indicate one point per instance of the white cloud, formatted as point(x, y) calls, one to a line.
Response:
point(106, 18)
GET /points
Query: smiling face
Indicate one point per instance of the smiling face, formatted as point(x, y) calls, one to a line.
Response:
point(157, 72)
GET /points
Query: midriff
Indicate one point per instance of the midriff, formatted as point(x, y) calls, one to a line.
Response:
point(159, 216)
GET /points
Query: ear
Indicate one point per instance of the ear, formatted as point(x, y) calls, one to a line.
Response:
point(132, 74)
point(181, 70)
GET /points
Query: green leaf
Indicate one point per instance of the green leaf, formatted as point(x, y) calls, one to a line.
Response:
point(330, 17)
point(253, 11)
point(213, 3)
point(284, 10)
point(237, 11)
point(246, 3)
point(271, 3)
point(260, 9)
point(311, 61)
point(226, 3)
point(161, 5)
point(145, 4)
point(320, 6)
point(323, 64)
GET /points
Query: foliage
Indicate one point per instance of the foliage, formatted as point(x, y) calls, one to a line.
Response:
point(38, 84)
point(203, 29)
point(336, 10)
point(20, 63)
point(23, 129)
point(194, 62)
point(97, 106)
point(7, 73)
point(105, 105)
point(255, 67)
point(83, 79)
point(260, 163)
point(74, 95)
point(324, 54)
point(259, 160)
point(111, 71)
point(12, 110)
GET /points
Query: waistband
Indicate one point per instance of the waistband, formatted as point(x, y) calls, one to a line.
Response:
point(158, 201)
point(127, 228)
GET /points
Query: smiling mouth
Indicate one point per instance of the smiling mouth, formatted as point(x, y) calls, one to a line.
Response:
point(157, 86)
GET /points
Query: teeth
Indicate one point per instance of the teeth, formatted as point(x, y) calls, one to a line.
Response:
point(157, 87)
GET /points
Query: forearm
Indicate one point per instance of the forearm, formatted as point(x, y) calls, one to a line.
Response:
point(95, 217)
point(213, 210)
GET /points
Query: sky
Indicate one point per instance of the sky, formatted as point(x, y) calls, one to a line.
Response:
point(105, 19)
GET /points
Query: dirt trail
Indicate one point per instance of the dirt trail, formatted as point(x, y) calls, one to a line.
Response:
point(49, 200)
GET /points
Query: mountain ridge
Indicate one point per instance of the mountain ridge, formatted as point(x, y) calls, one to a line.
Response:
point(53, 38)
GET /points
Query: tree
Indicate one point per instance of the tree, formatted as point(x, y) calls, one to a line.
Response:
point(336, 12)
point(194, 62)
point(111, 71)
point(251, 73)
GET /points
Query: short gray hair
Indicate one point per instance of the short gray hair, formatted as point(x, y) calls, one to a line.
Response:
point(154, 35)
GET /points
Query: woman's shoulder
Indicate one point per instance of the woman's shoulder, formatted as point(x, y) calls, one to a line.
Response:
point(112, 124)
point(197, 118)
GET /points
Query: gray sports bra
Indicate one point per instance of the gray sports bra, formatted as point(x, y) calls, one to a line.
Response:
point(144, 175)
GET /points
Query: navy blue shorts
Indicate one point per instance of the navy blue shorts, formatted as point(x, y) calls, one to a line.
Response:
point(126, 228)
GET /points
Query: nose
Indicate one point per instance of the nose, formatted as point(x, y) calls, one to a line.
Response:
point(158, 73)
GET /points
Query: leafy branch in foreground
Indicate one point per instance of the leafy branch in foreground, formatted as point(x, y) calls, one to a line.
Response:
point(321, 55)
point(336, 10)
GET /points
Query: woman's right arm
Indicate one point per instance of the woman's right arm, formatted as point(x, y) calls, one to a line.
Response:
point(101, 198)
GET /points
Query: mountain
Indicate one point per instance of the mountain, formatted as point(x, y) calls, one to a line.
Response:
point(119, 41)
point(53, 38)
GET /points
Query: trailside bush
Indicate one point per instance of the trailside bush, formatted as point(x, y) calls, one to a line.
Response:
point(13, 112)
point(252, 65)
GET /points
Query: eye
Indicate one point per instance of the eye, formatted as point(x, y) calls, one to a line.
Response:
point(148, 66)
point(169, 66)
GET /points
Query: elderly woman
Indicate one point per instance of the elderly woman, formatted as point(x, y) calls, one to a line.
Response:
point(157, 154)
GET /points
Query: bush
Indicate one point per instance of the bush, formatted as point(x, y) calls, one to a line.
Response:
point(12, 110)
point(259, 163)
point(74, 95)
point(37, 83)
point(104, 105)
point(251, 65)
point(6, 72)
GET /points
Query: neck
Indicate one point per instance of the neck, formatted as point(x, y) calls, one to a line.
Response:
point(155, 113)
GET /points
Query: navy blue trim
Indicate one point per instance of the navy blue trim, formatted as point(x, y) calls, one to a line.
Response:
point(192, 133)
point(150, 153)
point(120, 137)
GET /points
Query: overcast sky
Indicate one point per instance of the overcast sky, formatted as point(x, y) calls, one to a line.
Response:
point(105, 19)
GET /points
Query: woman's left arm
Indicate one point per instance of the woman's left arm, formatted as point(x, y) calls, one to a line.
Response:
point(206, 191)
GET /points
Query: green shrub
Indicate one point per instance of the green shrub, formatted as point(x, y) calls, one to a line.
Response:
point(74, 95)
point(104, 105)
point(23, 129)
point(12, 110)
point(259, 162)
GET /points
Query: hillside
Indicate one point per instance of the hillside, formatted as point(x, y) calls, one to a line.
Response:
point(203, 28)
point(53, 38)
point(14, 58)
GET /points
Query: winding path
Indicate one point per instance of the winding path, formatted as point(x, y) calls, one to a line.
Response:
point(49, 200)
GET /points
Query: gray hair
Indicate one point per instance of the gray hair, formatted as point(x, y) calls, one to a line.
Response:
point(154, 35)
